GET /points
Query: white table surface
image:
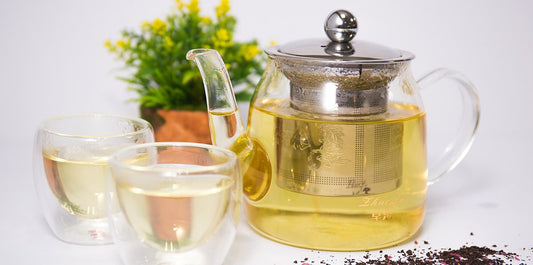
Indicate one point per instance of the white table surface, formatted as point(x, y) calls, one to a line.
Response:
point(52, 62)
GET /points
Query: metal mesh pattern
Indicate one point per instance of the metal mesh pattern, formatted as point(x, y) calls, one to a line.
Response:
point(340, 159)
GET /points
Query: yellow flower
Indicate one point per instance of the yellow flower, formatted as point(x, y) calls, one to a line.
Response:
point(249, 51)
point(121, 44)
point(159, 26)
point(168, 42)
point(109, 46)
point(222, 39)
point(206, 20)
point(272, 43)
point(222, 34)
point(181, 5)
point(227, 66)
point(193, 6)
point(145, 25)
point(223, 8)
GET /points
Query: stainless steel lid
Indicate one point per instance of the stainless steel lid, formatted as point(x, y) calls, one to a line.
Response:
point(339, 76)
point(340, 27)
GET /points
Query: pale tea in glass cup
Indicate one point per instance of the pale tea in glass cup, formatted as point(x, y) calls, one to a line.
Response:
point(70, 171)
point(174, 203)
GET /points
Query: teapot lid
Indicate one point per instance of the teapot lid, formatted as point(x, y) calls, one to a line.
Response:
point(351, 75)
point(340, 27)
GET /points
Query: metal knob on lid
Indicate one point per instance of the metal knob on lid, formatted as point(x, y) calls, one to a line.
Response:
point(341, 26)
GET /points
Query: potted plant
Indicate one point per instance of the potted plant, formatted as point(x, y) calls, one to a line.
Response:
point(170, 89)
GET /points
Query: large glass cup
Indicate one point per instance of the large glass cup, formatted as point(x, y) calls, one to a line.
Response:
point(174, 203)
point(70, 169)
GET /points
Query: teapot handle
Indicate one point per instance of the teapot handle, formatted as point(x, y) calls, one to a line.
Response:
point(456, 150)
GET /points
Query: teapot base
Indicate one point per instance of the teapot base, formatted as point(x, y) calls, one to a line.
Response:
point(335, 232)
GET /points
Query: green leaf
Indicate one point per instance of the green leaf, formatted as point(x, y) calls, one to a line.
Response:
point(188, 76)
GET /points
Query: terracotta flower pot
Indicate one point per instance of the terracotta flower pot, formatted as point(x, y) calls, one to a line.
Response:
point(178, 125)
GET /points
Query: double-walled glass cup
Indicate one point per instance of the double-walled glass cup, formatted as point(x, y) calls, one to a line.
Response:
point(174, 203)
point(70, 171)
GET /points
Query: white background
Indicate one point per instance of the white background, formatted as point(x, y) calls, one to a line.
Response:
point(52, 62)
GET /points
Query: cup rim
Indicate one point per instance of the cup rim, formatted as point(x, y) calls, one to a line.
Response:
point(232, 159)
point(146, 126)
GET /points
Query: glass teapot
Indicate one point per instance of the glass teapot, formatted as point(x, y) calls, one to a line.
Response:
point(334, 156)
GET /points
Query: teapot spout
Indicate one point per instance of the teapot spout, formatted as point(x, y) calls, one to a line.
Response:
point(225, 122)
point(226, 126)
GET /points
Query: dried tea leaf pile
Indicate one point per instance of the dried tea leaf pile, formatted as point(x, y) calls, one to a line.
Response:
point(465, 255)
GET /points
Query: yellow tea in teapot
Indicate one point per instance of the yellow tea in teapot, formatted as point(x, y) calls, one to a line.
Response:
point(336, 183)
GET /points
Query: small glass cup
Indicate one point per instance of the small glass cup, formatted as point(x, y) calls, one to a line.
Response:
point(174, 203)
point(70, 171)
